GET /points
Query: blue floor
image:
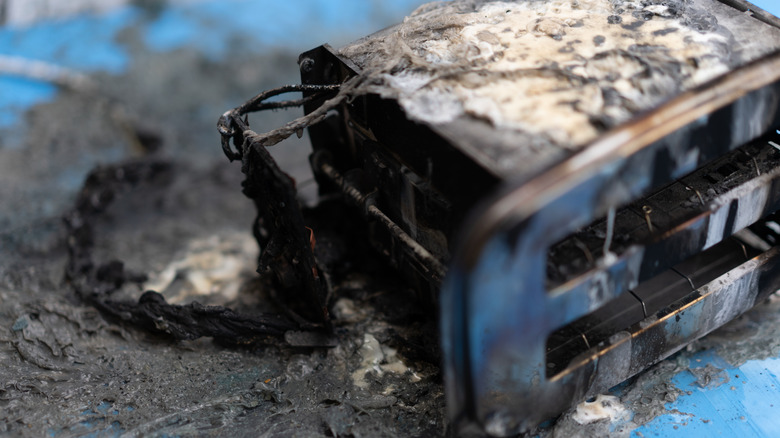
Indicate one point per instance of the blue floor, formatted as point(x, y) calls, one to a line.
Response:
point(738, 402)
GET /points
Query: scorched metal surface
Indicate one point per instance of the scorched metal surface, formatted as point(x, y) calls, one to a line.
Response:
point(527, 324)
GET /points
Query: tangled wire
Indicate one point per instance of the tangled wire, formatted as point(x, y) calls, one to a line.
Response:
point(96, 283)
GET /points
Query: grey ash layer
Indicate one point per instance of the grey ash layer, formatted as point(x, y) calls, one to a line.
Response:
point(552, 75)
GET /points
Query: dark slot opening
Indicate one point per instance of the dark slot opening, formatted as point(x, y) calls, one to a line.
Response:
point(649, 220)
point(653, 295)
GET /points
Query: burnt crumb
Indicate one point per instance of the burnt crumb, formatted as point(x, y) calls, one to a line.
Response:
point(602, 123)
point(578, 23)
point(701, 21)
point(614, 19)
point(633, 26)
point(611, 96)
point(599, 40)
point(643, 49)
point(643, 15)
point(663, 32)
point(567, 49)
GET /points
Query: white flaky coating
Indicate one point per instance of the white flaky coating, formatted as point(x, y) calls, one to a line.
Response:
point(559, 71)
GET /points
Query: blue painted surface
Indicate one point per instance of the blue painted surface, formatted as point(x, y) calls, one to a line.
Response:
point(17, 95)
point(20, 324)
point(93, 423)
point(771, 6)
point(103, 407)
point(742, 401)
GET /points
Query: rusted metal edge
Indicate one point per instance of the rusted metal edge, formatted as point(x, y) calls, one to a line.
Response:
point(428, 264)
point(519, 203)
point(755, 11)
point(675, 314)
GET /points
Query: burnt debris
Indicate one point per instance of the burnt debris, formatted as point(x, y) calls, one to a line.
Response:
point(97, 282)
point(287, 243)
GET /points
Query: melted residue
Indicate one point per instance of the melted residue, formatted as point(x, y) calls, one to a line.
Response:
point(345, 311)
point(379, 359)
point(604, 407)
point(214, 265)
point(709, 376)
point(562, 71)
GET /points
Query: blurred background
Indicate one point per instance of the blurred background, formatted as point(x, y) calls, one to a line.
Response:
point(167, 68)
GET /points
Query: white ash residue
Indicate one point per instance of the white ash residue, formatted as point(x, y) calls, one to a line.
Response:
point(216, 264)
point(562, 71)
point(754, 335)
point(604, 407)
point(345, 311)
point(709, 377)
point(379, 359)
